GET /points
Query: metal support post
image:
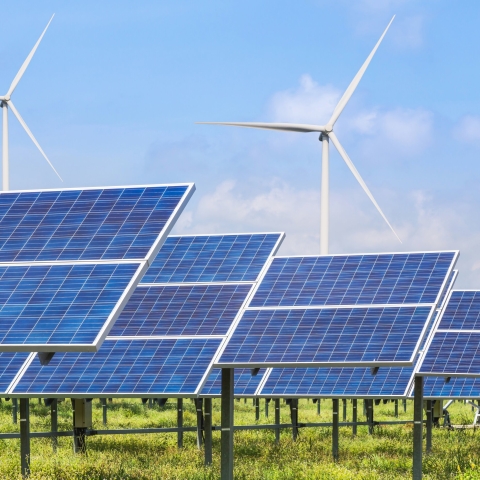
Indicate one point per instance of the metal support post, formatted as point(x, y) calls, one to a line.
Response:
point(25, 436)
point(335, 430)
point(208, 431)
point(396, 408)
point(277, 420)
point(294, 417)
point(365, 413)
point(54, 422)
point(267, 401)
point(370, 416)
point(318, 407)
point(354, 416)
point(257, 409)
point(199, 408)
point(150, 402)
point(417, 428)
point(104, 408)
point(404, 405)
point(14, 410)
point(227, 425)
point(180, 422)
point(344, 404)
point(429, 425)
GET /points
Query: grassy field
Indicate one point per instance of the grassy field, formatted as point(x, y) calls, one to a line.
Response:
point(387, 454)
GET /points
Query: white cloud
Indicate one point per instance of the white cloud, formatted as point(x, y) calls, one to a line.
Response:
point(468, 129)
point(308, 103)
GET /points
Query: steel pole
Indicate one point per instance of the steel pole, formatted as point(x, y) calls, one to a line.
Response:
point(227, 425)
point(354, 416)
point(25, 436)
point(180, 422)
point(208, 431)
point(429, 426)
point(324, 208)
point(277, 420)
point(417, 428)
point(335, 430)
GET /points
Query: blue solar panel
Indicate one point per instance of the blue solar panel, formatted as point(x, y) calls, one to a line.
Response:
point(354, 279)
point(462, 311)
point(181, 310)
point(85, 224)
point(338, 382)
point(452, 353)
point(10, 364)
point(123, 368)
point(246, 384)
point(457, 387)
point(59, 304)
point(213, 258)
point(329, 336)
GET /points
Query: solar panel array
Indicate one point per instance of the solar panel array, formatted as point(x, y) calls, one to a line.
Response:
point(454, 345)
point(340, 311)
point(165, 339)
point(69, 260)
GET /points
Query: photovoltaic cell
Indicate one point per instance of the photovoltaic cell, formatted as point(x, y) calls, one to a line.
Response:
point(59, 304)
point(215, 258)
point(245, 383)
point(85, 224)
point(452, 353)
point(330, 336)
point(462, 311)
point(338, 382)
point(123, 368)
point(456, 387)
point(354, 279)
point(10, 364)
point(181, 310)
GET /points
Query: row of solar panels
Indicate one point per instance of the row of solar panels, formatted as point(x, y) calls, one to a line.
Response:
point(73, 263)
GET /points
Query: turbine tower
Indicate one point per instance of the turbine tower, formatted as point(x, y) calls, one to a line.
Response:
point(326, 134)
point(6, 103)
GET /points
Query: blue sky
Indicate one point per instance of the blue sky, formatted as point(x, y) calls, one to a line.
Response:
point(115, 89)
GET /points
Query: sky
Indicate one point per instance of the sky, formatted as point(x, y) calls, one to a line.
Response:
point(115, 88)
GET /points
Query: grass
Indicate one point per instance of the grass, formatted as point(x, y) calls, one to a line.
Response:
point(387, 454)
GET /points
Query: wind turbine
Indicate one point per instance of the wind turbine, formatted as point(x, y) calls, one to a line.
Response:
point(6, 103)
point(326, 134)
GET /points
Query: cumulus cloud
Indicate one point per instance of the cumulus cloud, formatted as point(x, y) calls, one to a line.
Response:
point(307, 103)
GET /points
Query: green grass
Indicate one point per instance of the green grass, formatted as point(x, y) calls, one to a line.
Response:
point(387, 454)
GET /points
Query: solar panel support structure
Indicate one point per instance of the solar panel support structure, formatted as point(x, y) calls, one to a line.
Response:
point(417, 428)
point(396, 408)
point(199, 409)
point(25, 436)
point(227, 424)
point(180, 422)
point(344, 404)
point(267, 401)
point(404, 405)
point(277, 420)
point(14, 410)
point(54, 422)
point(208, 431)
point(335, 412)
point(104, 410)
point(429, 425)
point(354, 417)
point(256, 402)
point(294, 417)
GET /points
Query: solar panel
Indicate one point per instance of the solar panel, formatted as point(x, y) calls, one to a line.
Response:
point(337, 382)
point(354, 279)
point(453, 347)
point(456, 387)
point(245, 384)
point(326, 337)
point(122, 368)
point(339, 311)
point(70, 259)
point(10, 364)
point(212, 258)
point(181, 310)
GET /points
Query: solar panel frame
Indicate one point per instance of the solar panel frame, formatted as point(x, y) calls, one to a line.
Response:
point(143, 263)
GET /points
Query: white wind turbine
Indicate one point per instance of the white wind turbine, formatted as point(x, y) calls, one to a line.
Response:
point(326, 134)
point(6, 103)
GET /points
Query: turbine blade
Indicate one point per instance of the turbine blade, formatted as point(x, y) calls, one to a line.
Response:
point(356, 80)
point(352, 168)
point(286, 127)
point(20, 73)
point(30, 134)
